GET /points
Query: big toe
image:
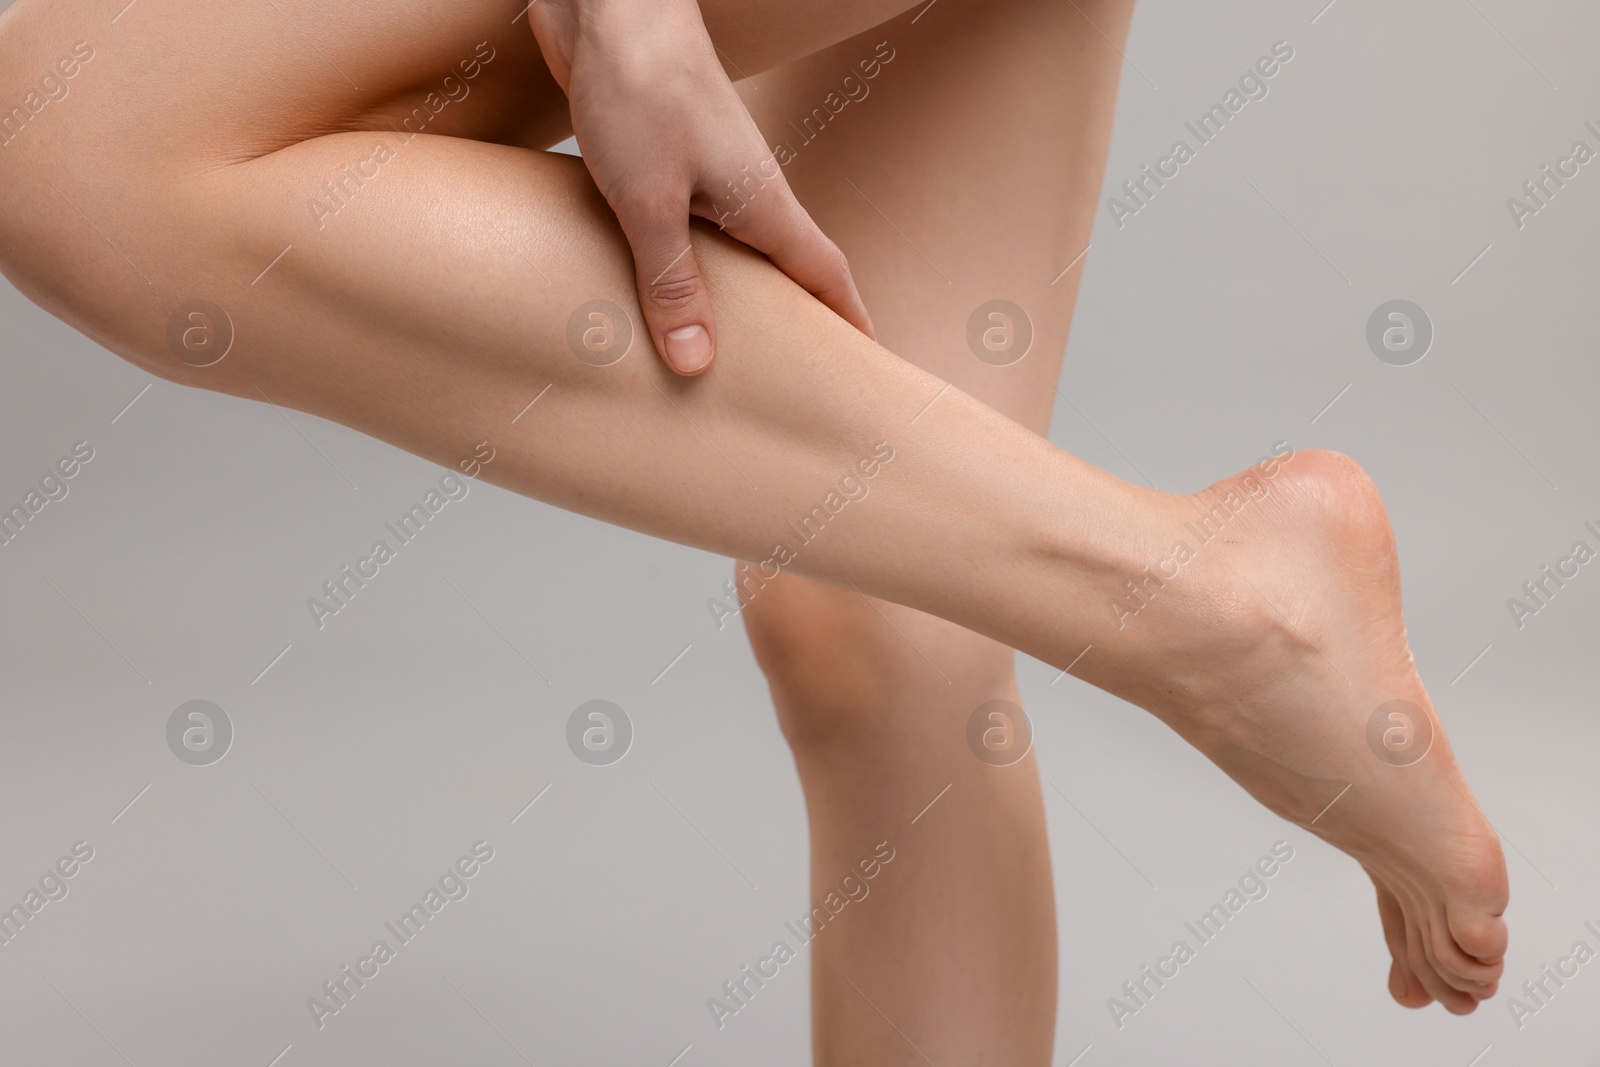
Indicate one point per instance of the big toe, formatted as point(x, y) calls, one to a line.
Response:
point(1463, 970)
point(1475, 902)
point(1480, 935)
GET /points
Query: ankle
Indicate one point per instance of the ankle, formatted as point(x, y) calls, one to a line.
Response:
point(1193, 626)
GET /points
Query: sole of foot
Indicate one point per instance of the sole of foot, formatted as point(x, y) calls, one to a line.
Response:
point(1290, 670)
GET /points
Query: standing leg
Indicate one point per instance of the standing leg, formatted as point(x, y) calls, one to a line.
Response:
point(974, 107)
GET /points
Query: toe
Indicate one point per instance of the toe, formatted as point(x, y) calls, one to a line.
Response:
point(1469, 928)
point(1479, 934)
point(1405, 989)
point(1477, 890)
point(1403, 985)
point(1473, 977)
point(1419, 958)
point(1463, 970)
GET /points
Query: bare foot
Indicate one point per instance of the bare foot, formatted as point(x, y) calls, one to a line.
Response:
point(1279, 651)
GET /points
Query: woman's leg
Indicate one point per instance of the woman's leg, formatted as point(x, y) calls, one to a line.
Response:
point(958, 948)
point(437, 303)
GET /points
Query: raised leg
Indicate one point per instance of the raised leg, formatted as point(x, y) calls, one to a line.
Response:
point(958, 948)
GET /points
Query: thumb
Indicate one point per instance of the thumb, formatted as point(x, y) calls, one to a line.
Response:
point(672, 294)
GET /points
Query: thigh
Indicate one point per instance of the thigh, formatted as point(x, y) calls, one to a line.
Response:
point(956, 153)
point(231, 81)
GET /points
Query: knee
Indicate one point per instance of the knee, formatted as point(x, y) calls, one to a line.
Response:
point(841, 673)
point(102, 224)
point(92, 253)
point(48, 159)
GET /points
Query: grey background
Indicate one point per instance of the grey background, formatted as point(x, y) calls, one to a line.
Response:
point(375, 752)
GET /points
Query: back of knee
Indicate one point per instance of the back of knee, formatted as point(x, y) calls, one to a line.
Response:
point(842, 674)
point(819, 663)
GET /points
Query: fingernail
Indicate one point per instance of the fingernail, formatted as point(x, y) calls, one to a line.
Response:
point(689, 348)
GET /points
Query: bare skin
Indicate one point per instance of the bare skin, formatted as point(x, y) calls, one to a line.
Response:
point(958, 947)
point(664, 136)
point(433, 307)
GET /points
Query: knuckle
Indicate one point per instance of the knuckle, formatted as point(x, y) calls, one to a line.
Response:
point(834, 270)
point(836, 264)
point(822, 252)
point(673, 294)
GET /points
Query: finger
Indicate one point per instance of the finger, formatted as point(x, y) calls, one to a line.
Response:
point(672, 294)
point(779, 226)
